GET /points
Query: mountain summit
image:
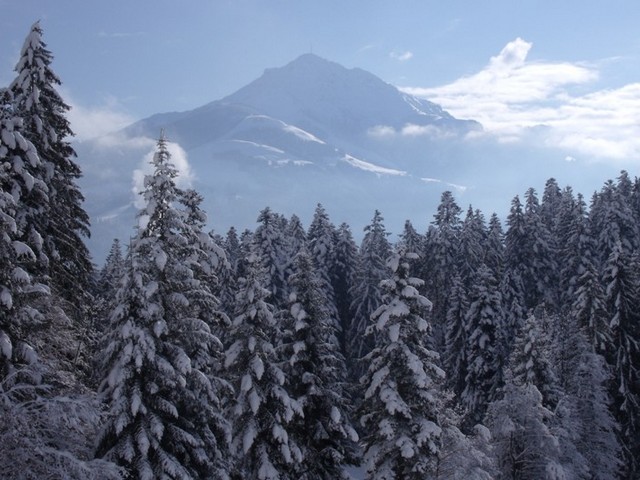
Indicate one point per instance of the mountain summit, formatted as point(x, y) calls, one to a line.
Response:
point(323, 98)
point(308, 132)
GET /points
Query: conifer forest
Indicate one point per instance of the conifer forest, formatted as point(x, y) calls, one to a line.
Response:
point(479, 349)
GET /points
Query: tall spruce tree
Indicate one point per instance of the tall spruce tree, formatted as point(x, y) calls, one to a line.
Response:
point(63, 221)
point(263, 407)
point(622, 286)
point(456, 335)
point(159, 378)
point(317, 372)
point(367, 296)
point(269, 244)
point(483, 324)
point(443, 249)
point(403, 398)
point(343, 277)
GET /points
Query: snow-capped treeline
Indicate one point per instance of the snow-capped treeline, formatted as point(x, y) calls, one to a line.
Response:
point(467, 352)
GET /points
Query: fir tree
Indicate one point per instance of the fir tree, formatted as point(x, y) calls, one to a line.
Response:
point(317, 373)
point(444, 252)
point(366, 294)
point(494, 251)
point(20, 247)
point(164, 400)
point(269, 244)
point(263, 407)
point(403, 398)
point(343, 277)
point(62, 219)
point(455, 354)
point(588, 420)
point(622, 298)
point(483, 323)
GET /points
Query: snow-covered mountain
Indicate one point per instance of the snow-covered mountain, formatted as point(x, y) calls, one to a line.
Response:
point(310, 132)
point(311, 110)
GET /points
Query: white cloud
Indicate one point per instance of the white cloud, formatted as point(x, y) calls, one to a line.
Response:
point(401, 56)
point(381, 131)
point(89, 122)
point(178, 159)
point(513, 97)
point(459, 188)
point(408, 130)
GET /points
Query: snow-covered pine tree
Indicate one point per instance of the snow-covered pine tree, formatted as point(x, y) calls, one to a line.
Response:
point(513, 308)
point(584, 293)
point(20, 247)
point(456, 335)
point(343, 277)
point(228, 277)
point(494, 250)
point(43, 434)
point(541, 279)
point(551, 206)
point(620, 278)
point(263, 407)
point(471, 246)
point(585, 409)
point(317, 372)
point(62, 219)
point(112, 271)
point(269, 244)
point(164, 408)
point(296, 237)
point(321, 248)
point(528, 250)
point(403, 396)
point(464, 457)
point(483, 326)
point(530, 361)
point(613, 220)
point(443, 250)
point(523, 445)
point(366, 294)
point(410, 239)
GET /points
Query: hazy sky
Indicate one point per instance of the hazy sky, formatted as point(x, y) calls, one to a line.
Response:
point(571, 66)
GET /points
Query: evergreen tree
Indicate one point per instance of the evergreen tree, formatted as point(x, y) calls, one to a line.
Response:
point(317, 372)
point(620, 278)
point(343, 275)
point(530, 361)
point(613, 220)
point(494, 251)
point(366, 294)
point(112, 271)
point(465, 457)
point(443, 248)
point(263, 408)
point(471, 249)
point(62, 219)
point(411, 240)
point(321, 239)
point(483, 323)
point(159, 373)
point(19, 249)
point(46, 422)
point(523, 445)
point(591, 426)
point(587, 295)
point(269, 244)
point(455, 354)
point(403, 398)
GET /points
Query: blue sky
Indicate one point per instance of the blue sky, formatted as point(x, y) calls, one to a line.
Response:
point(564, 73)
